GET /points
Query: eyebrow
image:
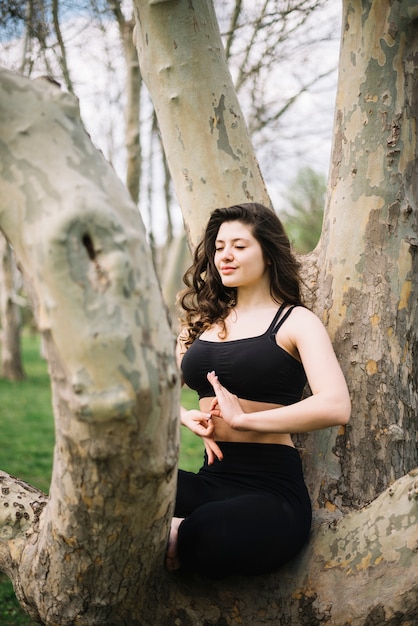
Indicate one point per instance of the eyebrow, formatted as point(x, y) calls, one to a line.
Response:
point(233, 240)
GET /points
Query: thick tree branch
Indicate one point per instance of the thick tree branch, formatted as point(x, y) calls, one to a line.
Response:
point(82, 248)
point(208, 148)
point(336, 580)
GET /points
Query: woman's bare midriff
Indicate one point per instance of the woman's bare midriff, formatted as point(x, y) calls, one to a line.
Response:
point(223, 432)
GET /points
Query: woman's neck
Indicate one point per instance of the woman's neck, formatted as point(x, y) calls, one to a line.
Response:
point(254, 300)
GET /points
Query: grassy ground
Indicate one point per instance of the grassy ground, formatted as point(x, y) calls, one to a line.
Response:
point(27, 440)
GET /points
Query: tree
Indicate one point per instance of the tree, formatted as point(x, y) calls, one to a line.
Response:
point(105, 523)
point(10, 315)
point(303, 218)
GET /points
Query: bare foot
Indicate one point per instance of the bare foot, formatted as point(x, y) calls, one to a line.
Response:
point(172, 561)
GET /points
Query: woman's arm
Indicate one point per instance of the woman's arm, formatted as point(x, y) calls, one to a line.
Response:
point(198, 422)
point(329, 404)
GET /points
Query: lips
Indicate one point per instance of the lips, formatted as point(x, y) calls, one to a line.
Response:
point(227, 269)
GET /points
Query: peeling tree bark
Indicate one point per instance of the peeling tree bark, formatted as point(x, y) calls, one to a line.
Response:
point(367, 291)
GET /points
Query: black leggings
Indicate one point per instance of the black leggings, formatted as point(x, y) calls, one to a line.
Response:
point(247, 514)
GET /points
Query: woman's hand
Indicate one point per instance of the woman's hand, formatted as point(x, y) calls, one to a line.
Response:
point(201, 425)
point(226, 405)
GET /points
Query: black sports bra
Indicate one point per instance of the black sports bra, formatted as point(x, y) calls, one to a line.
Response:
point(254, 368)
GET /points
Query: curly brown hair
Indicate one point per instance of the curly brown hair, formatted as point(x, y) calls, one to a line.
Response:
point(205, 300)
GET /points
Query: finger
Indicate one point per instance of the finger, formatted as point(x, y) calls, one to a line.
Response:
point(202, 419)
point(209, 425)
point(214, 381)
point(213, 404)
point(218, 452)
point(210, 429)
point(205, 431)
point(215, 449)
point(210, 455)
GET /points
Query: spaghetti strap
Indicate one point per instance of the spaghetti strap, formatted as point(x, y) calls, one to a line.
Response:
point(276, 318)
point(281, 320)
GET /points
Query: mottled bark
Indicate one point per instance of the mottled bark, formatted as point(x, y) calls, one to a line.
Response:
point(358, 571)
point(81, 244)
point(367, 289)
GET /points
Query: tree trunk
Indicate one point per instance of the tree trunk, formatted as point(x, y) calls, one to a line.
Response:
point(82, 247)
point(177, 260)
point(359, 571)
point(206, 142)
point(367, 287)
point(133, 102)
point(11, 319)
point(362, 278)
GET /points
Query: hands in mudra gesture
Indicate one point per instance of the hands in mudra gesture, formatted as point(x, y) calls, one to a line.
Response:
point(201, 424)
point(224, 405)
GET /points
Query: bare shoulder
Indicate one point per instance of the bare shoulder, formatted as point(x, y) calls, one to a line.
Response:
point(303, 324)
point(302, 315)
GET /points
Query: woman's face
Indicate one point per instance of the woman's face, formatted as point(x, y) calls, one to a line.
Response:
point(238, 257)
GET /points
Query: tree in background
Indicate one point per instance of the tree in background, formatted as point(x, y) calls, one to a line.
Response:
point(10, 314)
point(303, 218)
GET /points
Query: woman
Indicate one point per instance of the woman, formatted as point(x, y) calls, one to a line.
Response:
point(248, 346)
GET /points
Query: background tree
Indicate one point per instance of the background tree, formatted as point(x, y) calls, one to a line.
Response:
point(304, 215)
point(10, 314)
point(110, 410)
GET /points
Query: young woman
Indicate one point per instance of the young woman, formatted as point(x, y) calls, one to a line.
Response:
point(248, 346)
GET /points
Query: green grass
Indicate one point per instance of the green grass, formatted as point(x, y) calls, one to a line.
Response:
point(191, 447)
point(26, 422)
point(27, 441)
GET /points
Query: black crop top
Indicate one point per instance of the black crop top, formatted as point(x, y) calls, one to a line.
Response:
point(255, 368)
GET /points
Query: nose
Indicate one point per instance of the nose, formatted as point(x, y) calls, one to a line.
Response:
point(227, 253)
